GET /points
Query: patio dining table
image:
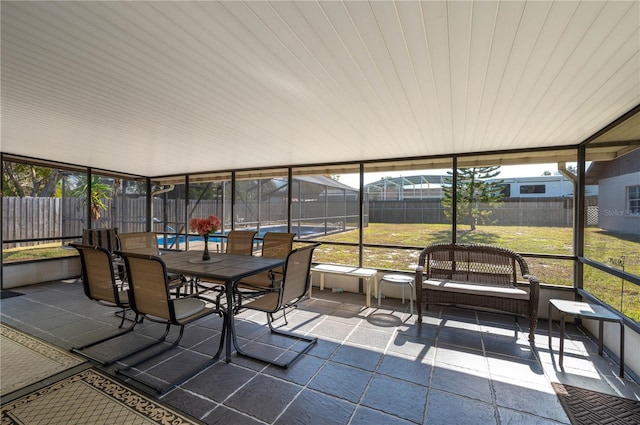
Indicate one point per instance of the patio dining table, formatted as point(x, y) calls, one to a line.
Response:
point(228, 268)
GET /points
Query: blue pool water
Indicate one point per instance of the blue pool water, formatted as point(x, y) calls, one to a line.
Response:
point(304, 230)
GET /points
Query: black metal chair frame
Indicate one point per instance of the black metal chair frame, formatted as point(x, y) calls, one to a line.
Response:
point(91, 293)
point(279, 289)
point(136, 284)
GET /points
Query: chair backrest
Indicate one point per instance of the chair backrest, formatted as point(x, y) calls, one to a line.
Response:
point(98, 279)
point(149, 285)
point(139, 243)
point(240, 242)
point(277, 245)
point(297, 269)
point(104, 238)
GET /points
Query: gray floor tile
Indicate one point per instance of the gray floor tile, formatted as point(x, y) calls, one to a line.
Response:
point(219, 381)
point(378, 339)
point(462, 357)
point(315, 408)
point(223, 415)
point(367, 416)
point(396, 397)
point(263, 397)
point(465, 382)
point(536, 400)
point(341, 381)
point(359, 357)
point(452, 409)
point(194, 405)
point(410, 369)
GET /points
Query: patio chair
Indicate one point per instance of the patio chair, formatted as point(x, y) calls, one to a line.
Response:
point(240, 242)
point(100, 285)
point(150, 298)
point(104, 238)
point(274, 245)
point(281, 295)
point(147, 243)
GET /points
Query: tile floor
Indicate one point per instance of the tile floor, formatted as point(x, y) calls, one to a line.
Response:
point(370, 365)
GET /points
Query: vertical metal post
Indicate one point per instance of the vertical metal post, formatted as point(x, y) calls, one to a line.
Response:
point(579, 221)
point(88, 211)
point(149, 209)
point(454, 202)
point(185, 218)
point(233, 200)
point(361, 216)
point(289, 197)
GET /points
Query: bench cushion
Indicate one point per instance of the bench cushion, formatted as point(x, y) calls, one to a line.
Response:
point(470, 288)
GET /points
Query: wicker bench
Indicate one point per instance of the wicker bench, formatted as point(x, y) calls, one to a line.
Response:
point(481, 276)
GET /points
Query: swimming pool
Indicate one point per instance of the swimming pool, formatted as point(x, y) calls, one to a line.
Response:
point(303, 231)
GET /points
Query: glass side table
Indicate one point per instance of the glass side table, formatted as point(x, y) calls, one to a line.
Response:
point(588, 311)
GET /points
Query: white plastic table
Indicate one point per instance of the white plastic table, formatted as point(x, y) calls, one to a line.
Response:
point(589, 311)
point(366, 274)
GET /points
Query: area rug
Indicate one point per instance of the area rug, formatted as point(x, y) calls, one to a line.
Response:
point(27, 360)
point(90, 397)
point(586, 407)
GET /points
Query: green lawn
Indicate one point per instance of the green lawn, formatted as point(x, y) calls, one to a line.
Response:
point(36, 253)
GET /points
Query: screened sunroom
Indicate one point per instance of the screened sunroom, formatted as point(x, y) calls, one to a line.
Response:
point(372, 128)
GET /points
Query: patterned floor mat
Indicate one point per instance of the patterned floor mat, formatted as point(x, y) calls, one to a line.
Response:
point(27, 360)
point(90, 397)
point(586, 407)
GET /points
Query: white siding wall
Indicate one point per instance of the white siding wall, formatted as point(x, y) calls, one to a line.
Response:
point(612, 202)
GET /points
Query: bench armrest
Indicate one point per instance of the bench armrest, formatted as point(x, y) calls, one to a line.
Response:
point(418, 282)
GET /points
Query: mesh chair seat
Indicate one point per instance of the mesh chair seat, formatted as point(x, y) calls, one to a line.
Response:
point(283, 294)
point(187, 307)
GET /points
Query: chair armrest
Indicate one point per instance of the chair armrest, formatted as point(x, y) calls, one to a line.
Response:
point(534, 292)
point(419, 274)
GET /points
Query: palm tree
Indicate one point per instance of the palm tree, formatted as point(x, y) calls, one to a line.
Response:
point(100, 191)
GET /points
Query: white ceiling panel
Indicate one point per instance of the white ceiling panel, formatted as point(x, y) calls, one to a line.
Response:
point(159, 88)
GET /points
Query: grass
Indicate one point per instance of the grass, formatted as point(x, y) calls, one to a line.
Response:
point(39, 252)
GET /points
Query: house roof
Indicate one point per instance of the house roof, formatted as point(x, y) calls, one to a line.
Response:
point(626, 164)
point(163, 88)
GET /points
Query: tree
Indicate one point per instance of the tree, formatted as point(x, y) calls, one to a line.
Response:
point(100, 191)
point(29, 180)
point(475, 195)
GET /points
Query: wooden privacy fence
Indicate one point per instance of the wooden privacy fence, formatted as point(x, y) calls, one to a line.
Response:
point(545, 212)
point(51, 218)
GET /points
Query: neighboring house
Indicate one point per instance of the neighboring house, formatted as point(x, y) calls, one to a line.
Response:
point(429, 187)
point(619, 192)
point(553, 186)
